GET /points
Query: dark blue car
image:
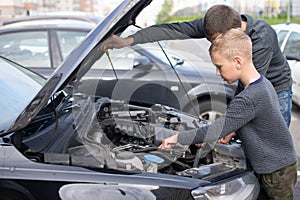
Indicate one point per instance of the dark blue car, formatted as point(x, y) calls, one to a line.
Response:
point(59, 139)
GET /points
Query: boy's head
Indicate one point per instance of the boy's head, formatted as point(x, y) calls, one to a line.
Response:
point(220, 18)
point(230, 52)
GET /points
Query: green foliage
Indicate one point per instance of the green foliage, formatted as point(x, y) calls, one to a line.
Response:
point(271, 21)
point(281, 19)
point(184, 18)
point(164, 14)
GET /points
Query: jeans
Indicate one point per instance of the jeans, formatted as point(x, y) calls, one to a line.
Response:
point(285, 103)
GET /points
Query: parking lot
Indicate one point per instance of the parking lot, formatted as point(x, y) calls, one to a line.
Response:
point(120, 134)
point(295, 129)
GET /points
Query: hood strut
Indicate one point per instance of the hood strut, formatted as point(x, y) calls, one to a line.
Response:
point(180, 81)
point(111, 64)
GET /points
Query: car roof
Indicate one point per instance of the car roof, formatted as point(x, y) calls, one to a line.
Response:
point(287, 26)
point(80, 16)
point(49, 23)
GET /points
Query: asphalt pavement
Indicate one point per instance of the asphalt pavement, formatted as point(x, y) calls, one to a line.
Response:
point(295, 130)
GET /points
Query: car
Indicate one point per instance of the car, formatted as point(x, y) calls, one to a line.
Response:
point(42, 45)
point(57, 142)
point(81, 16)
point(289, 42)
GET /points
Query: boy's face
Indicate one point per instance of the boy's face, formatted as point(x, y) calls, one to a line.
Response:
point(226, 68)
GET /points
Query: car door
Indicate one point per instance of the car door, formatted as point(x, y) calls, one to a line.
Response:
point(128, 74)
point(67, 40)
point(292, 51)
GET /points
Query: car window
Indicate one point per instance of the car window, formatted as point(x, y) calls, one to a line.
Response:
point(292, 45)
point(29, 48)
point(17, 93)
point(281, 36)
point(68, 40)
point(122, 59)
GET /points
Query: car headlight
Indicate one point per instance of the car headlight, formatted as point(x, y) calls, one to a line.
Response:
point(245, 187)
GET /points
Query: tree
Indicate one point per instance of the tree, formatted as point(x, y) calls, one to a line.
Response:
point(164, 14)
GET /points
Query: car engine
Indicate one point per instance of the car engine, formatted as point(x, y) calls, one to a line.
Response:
point(111, 134)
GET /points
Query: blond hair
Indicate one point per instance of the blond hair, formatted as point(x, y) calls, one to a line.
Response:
point(233, 42)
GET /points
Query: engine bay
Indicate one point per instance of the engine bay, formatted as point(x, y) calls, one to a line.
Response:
point(110, 134)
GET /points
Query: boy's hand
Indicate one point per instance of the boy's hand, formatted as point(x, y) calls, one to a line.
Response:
point(226, 139)
point(117, 42)
point(169, 142)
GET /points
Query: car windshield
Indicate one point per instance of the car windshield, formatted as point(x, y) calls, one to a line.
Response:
point(18, 86)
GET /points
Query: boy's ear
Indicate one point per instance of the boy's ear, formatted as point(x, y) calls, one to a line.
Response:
point(237, 62)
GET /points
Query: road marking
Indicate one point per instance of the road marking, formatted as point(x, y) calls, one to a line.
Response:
point(298, 172)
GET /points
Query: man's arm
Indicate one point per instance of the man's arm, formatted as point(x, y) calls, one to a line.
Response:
point(172, 31)
point(261, 59)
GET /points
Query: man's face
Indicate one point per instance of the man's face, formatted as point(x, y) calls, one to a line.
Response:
point(225, 67)
point(213, 37)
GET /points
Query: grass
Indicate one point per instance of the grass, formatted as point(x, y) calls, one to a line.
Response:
point(281, 20)
point(271, 21)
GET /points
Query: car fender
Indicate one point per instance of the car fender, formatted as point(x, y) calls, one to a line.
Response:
point(214, 92)
point(9, 189)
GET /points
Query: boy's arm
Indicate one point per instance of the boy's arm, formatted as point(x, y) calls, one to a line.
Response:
point(238, 113)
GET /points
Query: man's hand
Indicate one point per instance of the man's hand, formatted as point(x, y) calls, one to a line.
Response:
point(169, 142)
point(117, 42)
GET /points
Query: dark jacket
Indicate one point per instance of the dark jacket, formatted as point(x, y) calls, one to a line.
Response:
point(267, 56)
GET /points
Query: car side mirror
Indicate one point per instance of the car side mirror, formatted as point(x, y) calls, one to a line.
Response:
point(292, 57)
point(142, 62)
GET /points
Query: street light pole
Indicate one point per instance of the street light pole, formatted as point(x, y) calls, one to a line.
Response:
point(289, 12)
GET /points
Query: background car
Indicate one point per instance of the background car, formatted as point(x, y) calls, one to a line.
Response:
point(81, 16)
point(289, 41)
point(56, 141)
point(42, 45)
point(143, 72)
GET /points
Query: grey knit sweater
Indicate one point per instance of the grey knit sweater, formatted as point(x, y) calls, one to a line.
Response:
point(267, 56)
point(254, 115)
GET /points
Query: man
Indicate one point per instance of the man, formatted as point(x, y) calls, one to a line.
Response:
point(267, 56)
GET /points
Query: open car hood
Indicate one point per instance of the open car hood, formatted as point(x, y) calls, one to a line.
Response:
point(72, 69)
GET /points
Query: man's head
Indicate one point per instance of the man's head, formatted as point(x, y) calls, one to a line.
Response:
point(219, 19)
point(230, 52)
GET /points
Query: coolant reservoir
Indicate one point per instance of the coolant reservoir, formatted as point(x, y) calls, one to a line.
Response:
point(152, 162)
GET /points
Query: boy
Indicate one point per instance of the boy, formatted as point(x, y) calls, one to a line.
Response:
point(253, 114)
point(267, 56)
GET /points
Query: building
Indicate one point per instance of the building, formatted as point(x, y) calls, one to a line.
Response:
point(10, 8)
point(13, 8)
